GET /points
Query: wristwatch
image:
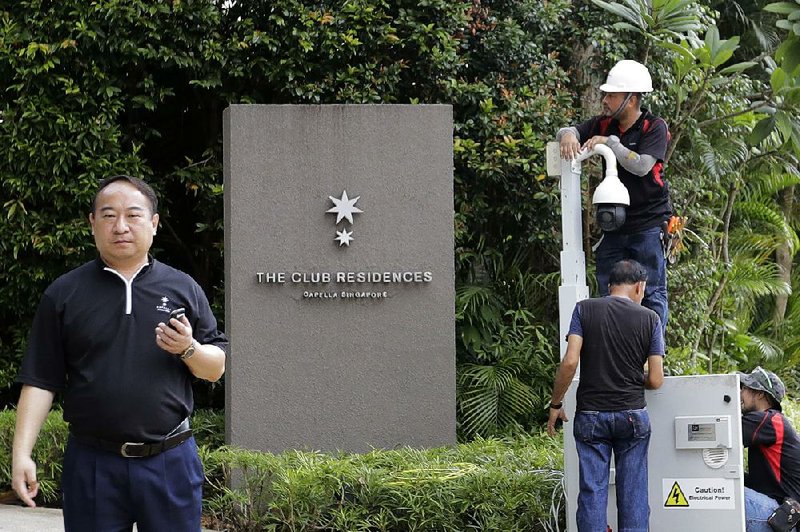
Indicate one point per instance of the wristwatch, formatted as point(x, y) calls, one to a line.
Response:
point(188, 352)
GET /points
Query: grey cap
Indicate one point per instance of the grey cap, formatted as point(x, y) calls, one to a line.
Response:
point(764, 381)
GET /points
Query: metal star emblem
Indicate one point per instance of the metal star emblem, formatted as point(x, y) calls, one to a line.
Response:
point(344, 237)
point(344, 207)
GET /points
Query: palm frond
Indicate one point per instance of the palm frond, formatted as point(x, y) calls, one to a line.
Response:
point(767, 185)
point(759, 247)
point(720, 159)
point(766, 212)
point(492, 397)
point(764, 348)
point(749, 280)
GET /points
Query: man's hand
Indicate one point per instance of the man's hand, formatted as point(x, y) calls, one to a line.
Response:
point(176, 337)
point(23, 479)
point(594, 141)
point(32, 408)
point(554, 416)
point(569, 146)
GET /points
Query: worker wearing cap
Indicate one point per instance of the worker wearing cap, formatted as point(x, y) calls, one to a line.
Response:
point(639, 141)
point(773, 458)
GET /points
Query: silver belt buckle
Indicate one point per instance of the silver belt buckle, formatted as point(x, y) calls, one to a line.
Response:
point(124, 450)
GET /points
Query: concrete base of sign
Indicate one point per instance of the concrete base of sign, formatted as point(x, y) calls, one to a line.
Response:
point(339, 276)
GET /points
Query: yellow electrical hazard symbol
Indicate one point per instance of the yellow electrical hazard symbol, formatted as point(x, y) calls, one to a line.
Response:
point(676, 498)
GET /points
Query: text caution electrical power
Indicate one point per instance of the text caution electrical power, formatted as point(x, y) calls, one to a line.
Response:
point(698, 493)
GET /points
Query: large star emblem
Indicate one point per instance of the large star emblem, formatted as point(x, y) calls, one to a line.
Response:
point(344, 207)
point(344, 237)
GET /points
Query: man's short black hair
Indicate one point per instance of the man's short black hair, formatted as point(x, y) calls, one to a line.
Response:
point(140, 185)
point(627, 272)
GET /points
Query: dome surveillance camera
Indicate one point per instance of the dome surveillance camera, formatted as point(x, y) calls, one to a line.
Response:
point(610, 199)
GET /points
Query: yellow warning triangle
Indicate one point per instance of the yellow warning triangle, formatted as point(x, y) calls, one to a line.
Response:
point(676, 498)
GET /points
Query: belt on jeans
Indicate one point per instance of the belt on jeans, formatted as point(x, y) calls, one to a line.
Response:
point(179, 434)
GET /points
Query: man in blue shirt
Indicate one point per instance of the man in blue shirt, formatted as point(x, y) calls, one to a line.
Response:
point(612, 338)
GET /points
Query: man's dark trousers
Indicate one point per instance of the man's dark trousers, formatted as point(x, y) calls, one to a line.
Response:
point(106, 492)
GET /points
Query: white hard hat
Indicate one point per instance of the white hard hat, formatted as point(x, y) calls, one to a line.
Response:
point(628, 76)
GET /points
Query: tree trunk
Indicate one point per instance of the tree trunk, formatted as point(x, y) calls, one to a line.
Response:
point(587, 75)
point(733, 190)
point(783, 255)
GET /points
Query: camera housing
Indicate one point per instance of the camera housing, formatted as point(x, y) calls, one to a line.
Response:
point(610, 216)
point(610, 200)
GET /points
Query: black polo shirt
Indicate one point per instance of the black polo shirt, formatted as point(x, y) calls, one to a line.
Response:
point(93, 337)
point(649, 135)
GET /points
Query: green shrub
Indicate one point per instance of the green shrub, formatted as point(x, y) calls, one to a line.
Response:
point(48, 454)
point(483, 485)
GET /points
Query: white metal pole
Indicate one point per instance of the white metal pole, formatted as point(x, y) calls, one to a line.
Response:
point(573, 286)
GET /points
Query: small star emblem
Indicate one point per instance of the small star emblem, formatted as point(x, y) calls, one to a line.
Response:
point(344, 237)
point(344, 207)
point(165, 300)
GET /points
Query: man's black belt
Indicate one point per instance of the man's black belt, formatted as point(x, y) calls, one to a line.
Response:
point(180, 434)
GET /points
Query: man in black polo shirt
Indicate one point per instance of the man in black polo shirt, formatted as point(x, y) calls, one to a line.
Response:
point(773, 458)
point(103, 336)
point(612, 338)
point(639, 141)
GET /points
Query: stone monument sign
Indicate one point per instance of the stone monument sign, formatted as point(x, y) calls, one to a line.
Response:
point(339, 276)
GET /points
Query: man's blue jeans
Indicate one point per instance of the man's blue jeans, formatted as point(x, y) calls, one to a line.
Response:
point(645, 248)
point(757, 509)
point(627, 434)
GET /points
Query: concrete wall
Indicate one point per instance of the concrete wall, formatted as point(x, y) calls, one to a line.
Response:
point(325, 363)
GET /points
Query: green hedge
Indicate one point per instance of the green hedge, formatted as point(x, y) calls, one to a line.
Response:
point(483, 485)
point(504, 485)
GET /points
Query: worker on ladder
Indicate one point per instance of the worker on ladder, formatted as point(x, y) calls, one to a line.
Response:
point(639, 141)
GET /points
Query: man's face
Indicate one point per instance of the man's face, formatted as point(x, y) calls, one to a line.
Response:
point(123, 225)
point(612, 101)
point(748, 400)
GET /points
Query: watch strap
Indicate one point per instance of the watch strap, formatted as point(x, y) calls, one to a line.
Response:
point(189, 351)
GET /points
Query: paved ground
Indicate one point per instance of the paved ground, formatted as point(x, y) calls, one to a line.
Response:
point(21, 519)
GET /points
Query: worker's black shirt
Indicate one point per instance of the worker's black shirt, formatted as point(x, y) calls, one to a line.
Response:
point(773, 457)
point(649, 135)
point(618, 336)
point(95, 340)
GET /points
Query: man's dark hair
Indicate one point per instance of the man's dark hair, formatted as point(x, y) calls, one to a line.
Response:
point(140, 185)
point(627, 272)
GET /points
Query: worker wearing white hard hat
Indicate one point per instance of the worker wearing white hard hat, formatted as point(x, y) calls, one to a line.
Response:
point(639, 140)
